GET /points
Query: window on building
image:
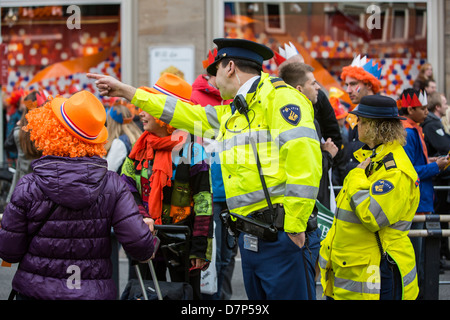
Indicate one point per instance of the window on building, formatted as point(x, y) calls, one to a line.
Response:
point(274, 17)
point(400, 24)
point(421, 23)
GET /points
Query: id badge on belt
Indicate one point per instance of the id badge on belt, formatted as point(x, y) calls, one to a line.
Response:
point(250, 242)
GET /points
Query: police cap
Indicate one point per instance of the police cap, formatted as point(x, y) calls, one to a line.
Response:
point(239, 49)
point(377, 107)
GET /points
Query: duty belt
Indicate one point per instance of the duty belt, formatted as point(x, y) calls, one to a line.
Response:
point(277, 219)
point(265, 216)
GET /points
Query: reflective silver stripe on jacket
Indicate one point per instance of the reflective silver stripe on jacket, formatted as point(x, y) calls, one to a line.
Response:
point(254, 197)
point(363, 287)
point(350, 216)
point(347, 216)
point(356, 286)
point(322, 262)
point(374, 207)
point(295, 133)
point(358, 198)
point(369, 287)
point(289, 190)
point(242, 139)
point(301, 191)
point(211, 115)
point(402, 225)
point(409, 278)
point(169, 109)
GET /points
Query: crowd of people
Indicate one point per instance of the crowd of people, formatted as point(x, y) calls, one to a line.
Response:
point(268, 151)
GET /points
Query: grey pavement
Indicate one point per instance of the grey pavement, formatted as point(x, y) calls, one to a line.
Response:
point(6, 275)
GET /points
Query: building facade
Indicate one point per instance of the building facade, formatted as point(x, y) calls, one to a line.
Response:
point(136, 40)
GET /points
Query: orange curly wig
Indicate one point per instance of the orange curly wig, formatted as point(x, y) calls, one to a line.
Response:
point(361, 75)
point(50, 136)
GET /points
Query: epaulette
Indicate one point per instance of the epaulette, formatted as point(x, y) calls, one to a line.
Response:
point(389, 162)
point(278, 83)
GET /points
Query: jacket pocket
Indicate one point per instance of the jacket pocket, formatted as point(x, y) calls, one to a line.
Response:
point(350, 265)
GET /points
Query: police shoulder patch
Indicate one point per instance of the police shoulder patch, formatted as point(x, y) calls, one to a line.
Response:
point(389, 162)
point(278, 83)
point(291, 113)
point(382, 187)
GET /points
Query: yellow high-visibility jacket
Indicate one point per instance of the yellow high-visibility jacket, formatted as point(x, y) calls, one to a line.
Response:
point(281, 124)
point(386, 202)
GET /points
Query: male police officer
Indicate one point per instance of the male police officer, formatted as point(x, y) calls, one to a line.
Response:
point(275, 120)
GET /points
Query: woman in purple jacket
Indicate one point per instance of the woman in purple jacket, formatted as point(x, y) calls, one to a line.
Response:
point(69, 257)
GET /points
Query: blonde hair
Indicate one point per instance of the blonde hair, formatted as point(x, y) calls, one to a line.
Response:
point(116, 129)
point(50, 136)
point(384, 131)
point(423, 70)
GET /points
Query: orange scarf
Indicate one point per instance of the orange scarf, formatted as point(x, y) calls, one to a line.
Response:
point(408, 123)
point(151, 147)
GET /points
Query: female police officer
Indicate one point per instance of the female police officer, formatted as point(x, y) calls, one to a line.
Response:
point(367, 253)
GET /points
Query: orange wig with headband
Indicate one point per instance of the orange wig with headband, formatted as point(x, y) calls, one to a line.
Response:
point(361, 75)
point(364, 70)
point(52, 138)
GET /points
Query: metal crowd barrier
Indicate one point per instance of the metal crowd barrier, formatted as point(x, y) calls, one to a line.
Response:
point(432, 234)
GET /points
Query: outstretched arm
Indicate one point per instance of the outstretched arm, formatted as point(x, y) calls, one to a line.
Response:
point(111, 87)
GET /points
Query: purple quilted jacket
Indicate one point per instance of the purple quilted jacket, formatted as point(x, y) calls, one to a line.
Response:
point(70, 257)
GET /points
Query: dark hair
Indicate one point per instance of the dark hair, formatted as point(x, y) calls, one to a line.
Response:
point(25, 142)
point(31, 96)
point(427, 82)
point(295, 73)
point(246, 66)
point(408, 92)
